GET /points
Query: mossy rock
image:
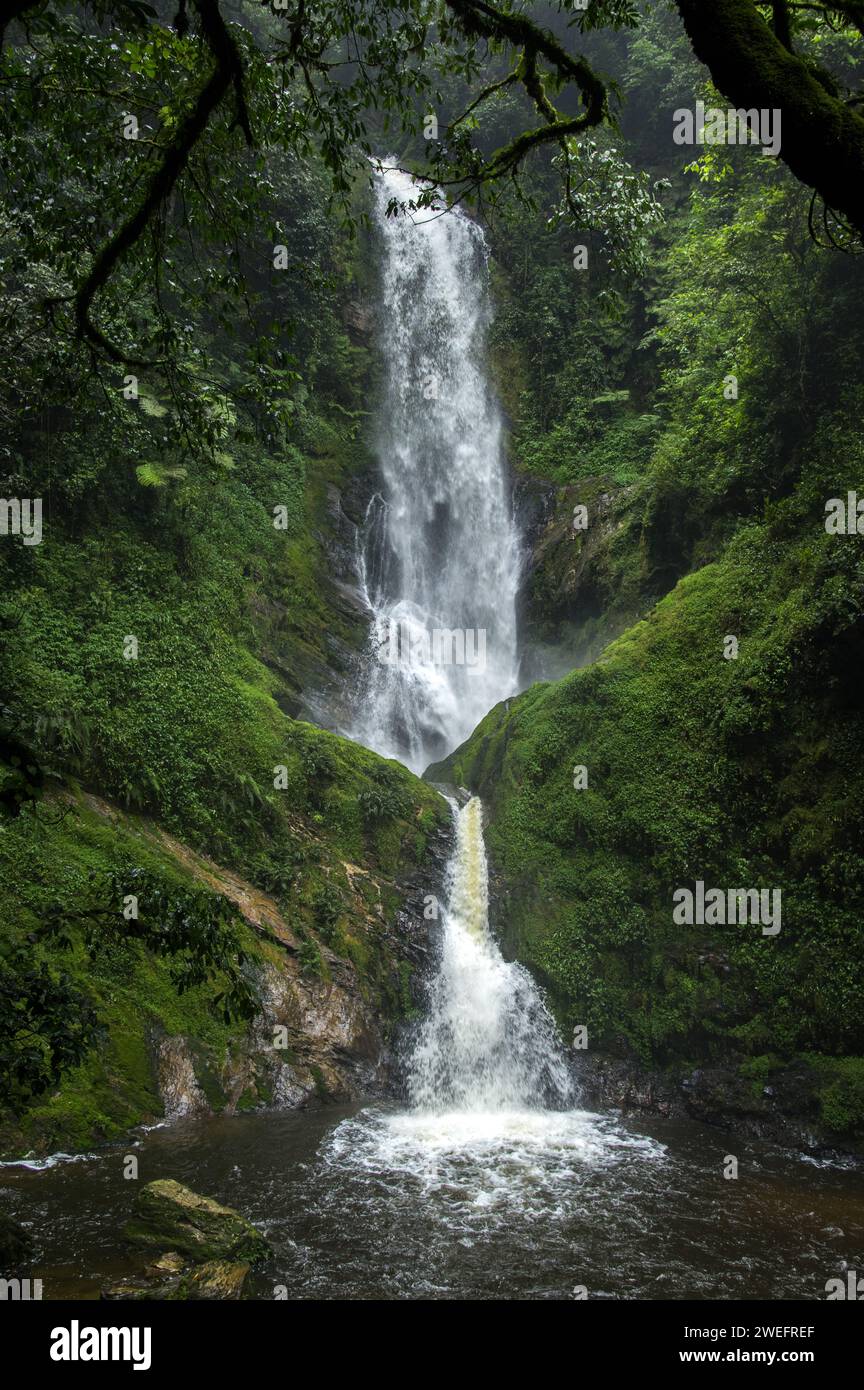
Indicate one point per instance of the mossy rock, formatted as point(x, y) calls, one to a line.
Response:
point(170, 1216)
point(171, 1279)
point(222, 1279)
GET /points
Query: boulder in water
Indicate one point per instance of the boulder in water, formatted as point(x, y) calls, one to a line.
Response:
point(216, 1279)
point(169, 1216)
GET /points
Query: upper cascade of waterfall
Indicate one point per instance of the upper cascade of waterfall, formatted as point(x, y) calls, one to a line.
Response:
point(488, 1042)
point(440, 554)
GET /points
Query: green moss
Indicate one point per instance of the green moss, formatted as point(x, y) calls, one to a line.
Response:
point(322, 1090)
point(169, 1216)
point(757, 1070)
point(48, 855)
point(250, 1099)
point(841, 1095)
point(735, 772)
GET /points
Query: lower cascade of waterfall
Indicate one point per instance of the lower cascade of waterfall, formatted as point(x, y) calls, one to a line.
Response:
point(488, 1042)
point(491, 1127)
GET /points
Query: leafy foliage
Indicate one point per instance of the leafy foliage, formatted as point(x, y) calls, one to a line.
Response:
point(50, 1025)
point(197, 932)
point(47, 1026)
point(385, 797)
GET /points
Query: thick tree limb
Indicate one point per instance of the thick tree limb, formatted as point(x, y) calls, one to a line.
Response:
point(822, 138)
point(484, 21)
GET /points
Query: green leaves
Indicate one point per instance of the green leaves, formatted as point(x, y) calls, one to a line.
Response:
point(386, 798)
point(158, 474)
point(21, 775)
point(46, 1025)
point(151, 406)
point(604, 193)
point(198, 933)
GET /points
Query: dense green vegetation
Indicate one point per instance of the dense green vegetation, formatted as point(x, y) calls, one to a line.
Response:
point(156, 646)
point(738, 772)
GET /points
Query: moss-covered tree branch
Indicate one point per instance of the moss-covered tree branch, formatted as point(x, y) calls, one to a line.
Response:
point(822, 137)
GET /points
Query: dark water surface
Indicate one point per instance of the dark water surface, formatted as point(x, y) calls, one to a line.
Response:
point(372, 1203)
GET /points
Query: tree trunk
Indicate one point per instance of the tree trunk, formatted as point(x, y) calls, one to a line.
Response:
point(822, 139)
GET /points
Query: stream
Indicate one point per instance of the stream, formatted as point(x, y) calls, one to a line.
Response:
point(494, 1182)
point(365, 1202)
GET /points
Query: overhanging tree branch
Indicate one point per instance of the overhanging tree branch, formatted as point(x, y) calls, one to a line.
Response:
point(822, 139)
point(227, 73)
point(748, 53)
point(481, 20)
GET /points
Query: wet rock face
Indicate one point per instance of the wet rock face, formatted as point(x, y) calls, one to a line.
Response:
point(178, 1085)
point(598, 556)
point(171, 1280)
point(577, 592)
point(323, 679)
point(358, 316)
point(171, 1217)
point(316, 1039)
point(221, 1279)
point(783, 1111)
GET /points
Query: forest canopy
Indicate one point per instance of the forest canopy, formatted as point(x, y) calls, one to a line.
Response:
point(145, 127)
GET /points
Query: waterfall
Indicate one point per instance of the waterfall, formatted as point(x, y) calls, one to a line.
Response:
point(440, 560)
point(488, 1042)
point(440, 556)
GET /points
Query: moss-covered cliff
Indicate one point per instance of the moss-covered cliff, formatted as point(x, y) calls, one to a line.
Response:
point(159, 649)
point(737, 772)
point(331, 948)
point(695, 436)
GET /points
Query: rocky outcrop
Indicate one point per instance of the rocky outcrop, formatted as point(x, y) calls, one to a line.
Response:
point(782, 1107)
point(222, 1279)
point(207, 1249)
point(171, 1217)
point(319, 1037)
point(175, 1077)
point(584, 585)
point(171, 1279)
